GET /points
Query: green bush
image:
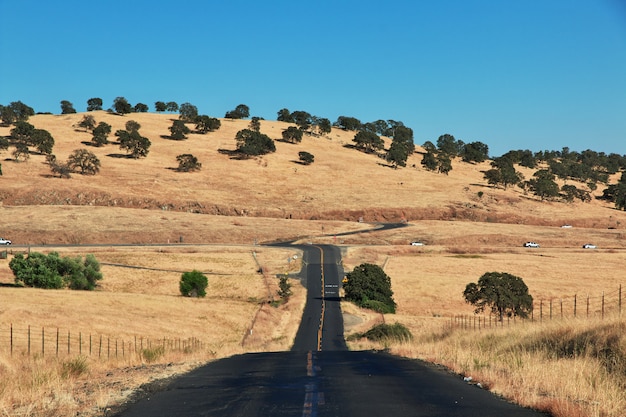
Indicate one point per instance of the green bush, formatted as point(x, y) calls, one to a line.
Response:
point(193, 284)
point(74, 367)
point(389, 332)
point(53, 272)
point(152, 354)
point(368, 286)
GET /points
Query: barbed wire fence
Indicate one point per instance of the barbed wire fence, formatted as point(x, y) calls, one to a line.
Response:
point(28, 340)
point(608, 304)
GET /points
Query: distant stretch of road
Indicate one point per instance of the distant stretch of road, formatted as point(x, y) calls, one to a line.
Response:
point(320, 377)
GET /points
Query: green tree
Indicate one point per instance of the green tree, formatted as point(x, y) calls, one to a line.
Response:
point(22, 132)
point(171, 106)
point(188, 112)
point(179, 130)
point(302, 119)
point(7, 115)
point(324, 126)
point(503, 293)
point(21, 152)
point(503, 173)
point(131, 141)
point(206, 124)
point(88, 122)
point(21, 111)
point(187, 162)
point(543, 185)
point(160, 106)
point(241, 112)
point(429, 161)
point(368, 141)
point(444, 163)
point(83, 161)
point(101, 134)
point(253, 143)
point(284, 116)
point(53, 272)
point(292, 134)
point(369, 286)
point(284, 288)
point(448, 145)
point(193, 284)
point(94, 104)
point(617, 193)
point(255, 124)
point(132, 126)
point(60, 169)
point(122, 106)
point(306, 158)
point(141, 108)
point(348, 123)
point(42, 140)
point(67, 107)
point(475, 152)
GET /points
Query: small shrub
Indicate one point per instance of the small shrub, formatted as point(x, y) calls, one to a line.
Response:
point(74, 367)
point(389, 332)
point(151, 355)
point(284, 286)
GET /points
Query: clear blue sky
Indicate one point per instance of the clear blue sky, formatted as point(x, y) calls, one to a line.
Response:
point(531, 74)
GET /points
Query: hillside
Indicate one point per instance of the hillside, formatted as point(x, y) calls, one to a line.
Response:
point(342, 184)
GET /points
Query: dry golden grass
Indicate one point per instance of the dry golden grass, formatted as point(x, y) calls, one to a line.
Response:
point(231, 204)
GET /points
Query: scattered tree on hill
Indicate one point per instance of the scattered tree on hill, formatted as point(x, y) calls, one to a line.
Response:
point(159, 106)
point(324, 126)
point(61, 169)
point(88, 122)
point(255, 124)
point(292, 134)
point(402, 146)
point(172, 106)
point(284, 116)
point(448, 145)
point(100, 134)
point(22, 132)
point(241, 112)
point(617, 193)
point(543, 185)
point(18, 111)
point(141, 108)
point(429, 161)
point(503, 293)
point(67, 107)
point(444, 163)
point(368, 141)
point(122, 106)
point(475, 152)
point(53, 272)
point(42, 140)
point(302, 119)
point(253, 143)
point(369, 286)
point(131, 141)
point(188, 112)
point(179, 130)
point(83, 161)
point(571, 192)
point(205, 124)
point(94, 104)
point(187, 162)
point(4, 143)
point(132, 125)
point(503, 173)
point(306, 158)
point(348, 123)
point(193, 284)
point(21, 152)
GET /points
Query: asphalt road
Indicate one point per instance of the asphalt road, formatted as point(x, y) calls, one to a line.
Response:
point(319, 376)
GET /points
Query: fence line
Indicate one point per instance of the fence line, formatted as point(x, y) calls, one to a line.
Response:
point(609, 303)
point(57, 342)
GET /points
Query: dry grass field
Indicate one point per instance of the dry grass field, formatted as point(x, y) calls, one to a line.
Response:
point(210, 220)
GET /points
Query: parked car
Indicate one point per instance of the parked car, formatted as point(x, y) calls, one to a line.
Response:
point(4, 241)
point(589, 246)
point(531, 245)
point(416, 243)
